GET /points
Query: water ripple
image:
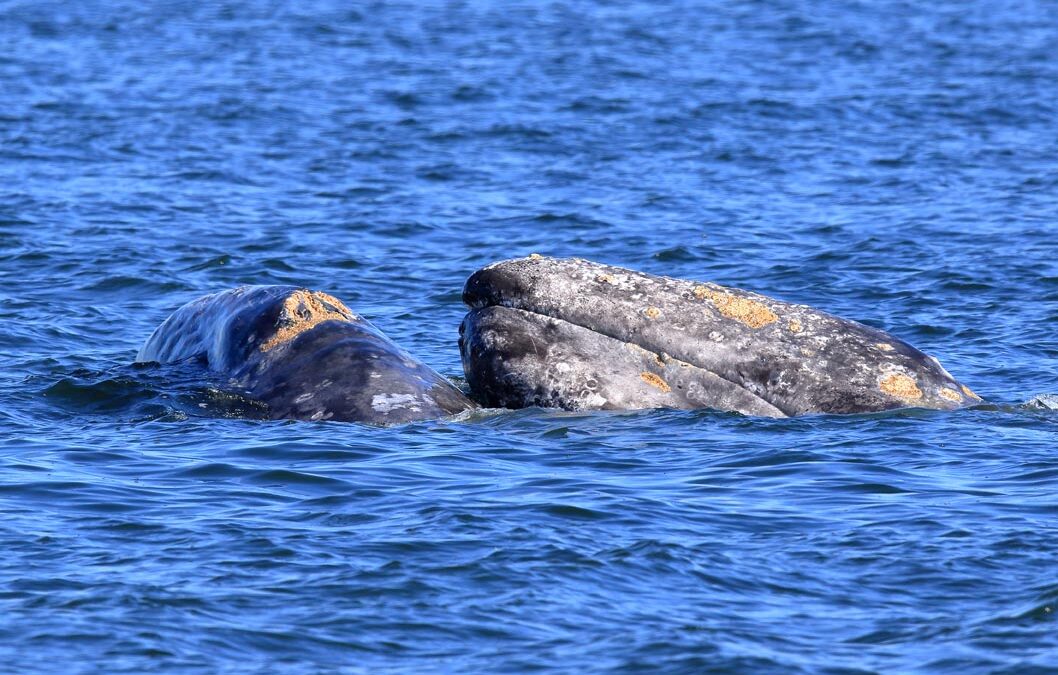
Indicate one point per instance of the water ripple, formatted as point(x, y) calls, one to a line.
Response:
point(890, 166)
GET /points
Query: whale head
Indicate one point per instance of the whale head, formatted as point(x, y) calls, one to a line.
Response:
point(576, 334)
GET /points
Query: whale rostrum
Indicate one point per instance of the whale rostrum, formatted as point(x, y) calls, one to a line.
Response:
point(580, 335)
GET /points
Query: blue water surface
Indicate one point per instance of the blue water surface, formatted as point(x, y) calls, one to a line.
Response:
point(891, 162)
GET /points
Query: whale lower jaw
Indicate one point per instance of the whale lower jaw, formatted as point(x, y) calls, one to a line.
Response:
point(515, 358)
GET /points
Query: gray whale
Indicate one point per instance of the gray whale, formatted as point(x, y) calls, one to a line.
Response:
point(562, 333)
point(305, 355)
point(580, 335)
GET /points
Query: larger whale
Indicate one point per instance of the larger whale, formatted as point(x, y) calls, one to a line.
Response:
point(580, 335)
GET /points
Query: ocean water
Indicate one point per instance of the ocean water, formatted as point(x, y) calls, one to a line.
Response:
point(891, 162)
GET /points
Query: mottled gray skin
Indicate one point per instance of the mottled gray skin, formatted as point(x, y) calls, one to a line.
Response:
point(579, 335)
point(305, 355)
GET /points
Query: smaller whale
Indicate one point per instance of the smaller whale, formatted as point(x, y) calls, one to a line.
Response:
point(580, 335)
point(305, 355)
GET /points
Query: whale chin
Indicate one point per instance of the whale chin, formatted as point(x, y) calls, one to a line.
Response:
point(579, 335)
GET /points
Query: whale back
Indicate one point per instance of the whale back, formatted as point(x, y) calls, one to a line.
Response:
point(305, 355)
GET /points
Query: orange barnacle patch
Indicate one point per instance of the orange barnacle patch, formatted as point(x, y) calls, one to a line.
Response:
point(750, 312)
point(332, 304)
point(966, 390)
point(606, 279)
point(884, 346)
point(652, 312)
point(950, 394)
point(655, 381)
point(303, 310)
point(900, 386)
point(701, 292)
point(795, 326)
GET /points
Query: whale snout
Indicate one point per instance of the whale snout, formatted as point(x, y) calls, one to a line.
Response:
point(575, 334)
point(490, 285)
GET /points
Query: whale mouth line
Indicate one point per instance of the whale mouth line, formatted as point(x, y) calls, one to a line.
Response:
point(661, 356)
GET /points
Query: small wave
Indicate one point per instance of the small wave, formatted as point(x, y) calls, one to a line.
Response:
point(1043, 402)
point(149, 392)
point(97, 395)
